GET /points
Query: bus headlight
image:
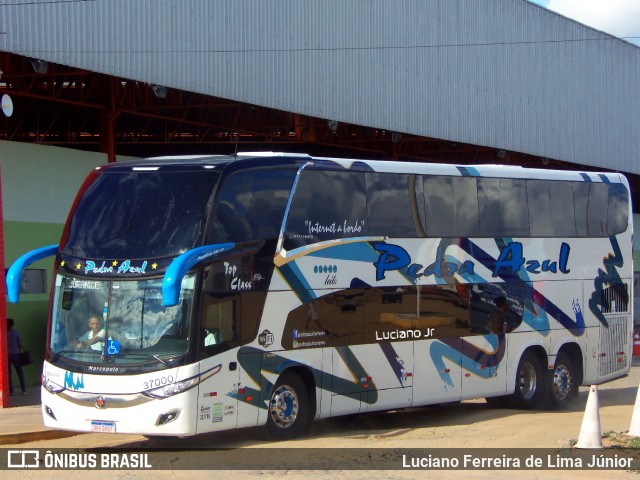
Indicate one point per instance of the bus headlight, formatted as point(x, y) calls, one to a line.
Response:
point(182, 386)
point(51, 386)
point(173, 389)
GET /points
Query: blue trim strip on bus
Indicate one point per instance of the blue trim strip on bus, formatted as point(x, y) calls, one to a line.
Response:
point(468, 171)
point(604, 178)
point(14, 275)
point(180, 266)
point(295, 278)
point(394, 362)
point(585, 177)
point(360, 251)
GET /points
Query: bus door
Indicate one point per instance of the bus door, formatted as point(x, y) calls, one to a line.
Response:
point(232, 299)
point(218, 394)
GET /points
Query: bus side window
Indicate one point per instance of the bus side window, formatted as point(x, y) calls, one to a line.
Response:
point(218, 323)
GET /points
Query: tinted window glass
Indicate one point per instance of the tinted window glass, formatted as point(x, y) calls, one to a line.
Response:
point(333, 319)
point(503, 207)
point(393, 205)
point(251, 205)
point(141, 214)
point(592, 208)
point(467, 213)
point(551, 209)
point(327, 205)
point(597, 209)
point(580, 205)
point(618, 211)
point(440, 207)
point(452, 206)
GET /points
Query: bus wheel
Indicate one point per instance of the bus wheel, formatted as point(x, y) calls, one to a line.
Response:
point(529, 383)
point(289, 412)
point(561, 388)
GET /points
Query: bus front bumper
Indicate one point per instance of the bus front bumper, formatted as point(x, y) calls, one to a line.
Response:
point(109, 413)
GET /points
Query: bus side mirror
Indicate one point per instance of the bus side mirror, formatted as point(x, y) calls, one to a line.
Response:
point(14, 274)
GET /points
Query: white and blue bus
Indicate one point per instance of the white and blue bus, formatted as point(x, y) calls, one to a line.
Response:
point(272, 289)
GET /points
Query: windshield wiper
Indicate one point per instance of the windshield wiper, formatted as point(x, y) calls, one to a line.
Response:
point(78, 352)
point(156, 357)
point(57, 355)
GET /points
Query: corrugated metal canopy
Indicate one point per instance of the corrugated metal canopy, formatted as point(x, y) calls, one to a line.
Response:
point(498, 73)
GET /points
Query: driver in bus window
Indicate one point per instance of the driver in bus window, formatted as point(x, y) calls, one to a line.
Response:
point(94, 338)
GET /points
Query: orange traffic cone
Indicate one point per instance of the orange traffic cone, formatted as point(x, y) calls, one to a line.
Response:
point(636, 344)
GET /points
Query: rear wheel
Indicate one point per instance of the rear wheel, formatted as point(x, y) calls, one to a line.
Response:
point(561, 386)
point(289, 408)
point(530, 384)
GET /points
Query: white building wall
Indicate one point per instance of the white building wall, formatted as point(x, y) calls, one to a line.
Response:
point(501, 73)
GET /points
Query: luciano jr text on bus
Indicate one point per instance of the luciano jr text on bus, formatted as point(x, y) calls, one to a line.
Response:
point(404, 334)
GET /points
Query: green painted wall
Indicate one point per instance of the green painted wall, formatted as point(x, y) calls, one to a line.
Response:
point(31, 313)
point(39, 184)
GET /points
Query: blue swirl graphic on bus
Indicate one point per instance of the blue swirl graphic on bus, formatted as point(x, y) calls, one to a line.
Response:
point(576, 327)
point(260, 369)
point(536, 318)
point(470, 357)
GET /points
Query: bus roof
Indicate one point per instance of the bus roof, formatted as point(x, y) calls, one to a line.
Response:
point(261, 159)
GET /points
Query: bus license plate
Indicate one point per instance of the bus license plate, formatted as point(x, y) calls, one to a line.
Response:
point(103, 427)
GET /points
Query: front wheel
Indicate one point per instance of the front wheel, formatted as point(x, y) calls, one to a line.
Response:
point(562, 386)
point(530, 384)
point(289, 411)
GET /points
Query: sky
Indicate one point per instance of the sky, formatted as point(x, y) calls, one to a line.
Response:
point(616, 17)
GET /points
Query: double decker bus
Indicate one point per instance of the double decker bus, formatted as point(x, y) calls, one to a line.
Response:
point(272, 289)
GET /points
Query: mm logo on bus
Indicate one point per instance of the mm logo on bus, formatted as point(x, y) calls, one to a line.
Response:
point(74, 381)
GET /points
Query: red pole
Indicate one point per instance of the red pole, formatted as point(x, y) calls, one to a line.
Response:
point(4, 358)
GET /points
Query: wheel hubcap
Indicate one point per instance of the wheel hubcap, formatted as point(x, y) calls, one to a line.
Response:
point(284, 406)
point(528, 381)
point(561, 382)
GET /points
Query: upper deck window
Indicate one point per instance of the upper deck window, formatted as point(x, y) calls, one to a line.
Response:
point(142, 214)
point(251, 205)
point(395, 203)
point(327, 205)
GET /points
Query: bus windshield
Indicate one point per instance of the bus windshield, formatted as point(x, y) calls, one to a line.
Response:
point(141, 214)
point(118, 321)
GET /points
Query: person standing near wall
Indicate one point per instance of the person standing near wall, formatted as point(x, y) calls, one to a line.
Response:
point(14, 342)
